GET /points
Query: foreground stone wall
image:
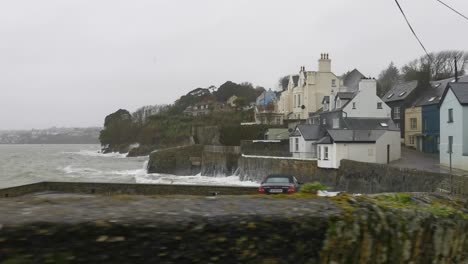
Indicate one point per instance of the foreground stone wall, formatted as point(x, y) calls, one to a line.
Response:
point(124, 188)
point(299, 230)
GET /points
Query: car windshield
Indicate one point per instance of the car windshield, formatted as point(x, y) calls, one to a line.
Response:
point(277, 180)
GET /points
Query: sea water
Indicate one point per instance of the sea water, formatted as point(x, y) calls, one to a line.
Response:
point(25, 164)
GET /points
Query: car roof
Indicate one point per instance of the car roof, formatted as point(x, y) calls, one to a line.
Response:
point(279, 175)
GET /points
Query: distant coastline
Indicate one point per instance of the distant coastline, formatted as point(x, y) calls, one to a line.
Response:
point(54, 135)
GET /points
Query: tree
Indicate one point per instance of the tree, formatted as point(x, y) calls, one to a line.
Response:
point(240, 103)
point(387, 79)
point(440, 65)
point(283, 82)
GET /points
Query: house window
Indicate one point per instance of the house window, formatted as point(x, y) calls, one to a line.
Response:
point(411, 140)
point(396, 112)
point(354, 105)
point(397, 125)
point(413, 123)
point(297, 145)
point(450, 115)
point(379, 105)
point(450, 144)
point(333, 82)
point(325, 153)
point(324, 121)
point(298, 100)
point(325, 107)
point(336, 123)
point(319, 152)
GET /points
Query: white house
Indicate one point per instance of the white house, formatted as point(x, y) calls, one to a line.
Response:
point(356, 126)
point(303, 141)
point(454, 126)
point(366, 140)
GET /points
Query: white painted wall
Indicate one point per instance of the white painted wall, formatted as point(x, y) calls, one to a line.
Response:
point(307, 149)
point(331, 162)
point(366, 102)
point(391, 138)
point(458, 129)
point(363, 152)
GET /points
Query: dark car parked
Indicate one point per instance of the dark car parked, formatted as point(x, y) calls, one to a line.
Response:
point(277, 184)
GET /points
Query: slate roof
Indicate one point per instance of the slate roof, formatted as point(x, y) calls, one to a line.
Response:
point(296, 80)
point(351, 80)
point(433, 94)
point(370, 124)
point(325, 140)
point(326, 99)
point(460, 90)
point(309, 132)
point(345, 95)
point(343, 135)
point(403, 88)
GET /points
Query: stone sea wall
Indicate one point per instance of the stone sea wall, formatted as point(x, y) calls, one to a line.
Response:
point(354, 177)
point(124, 189)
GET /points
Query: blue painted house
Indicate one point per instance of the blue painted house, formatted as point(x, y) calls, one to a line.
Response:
point(266, 98)
point(429, 103)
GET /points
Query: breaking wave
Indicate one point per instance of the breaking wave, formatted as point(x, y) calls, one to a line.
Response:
point(192, 180)
point(97, 153)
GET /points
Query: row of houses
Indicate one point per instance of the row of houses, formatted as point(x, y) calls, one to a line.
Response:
point(343, 118)
point(353, 125)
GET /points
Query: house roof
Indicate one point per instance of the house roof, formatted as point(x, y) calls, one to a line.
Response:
point(433, 94)
point(326, 99)
point(309, 132)
point(360, 136)
point(370, 124)
point(296, 80)
point(460, 90)
point(345, 95)
point(324, 140)
point(351, 80)
point(400, 91)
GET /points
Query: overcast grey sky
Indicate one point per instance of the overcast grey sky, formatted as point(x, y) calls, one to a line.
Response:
point(72, 62)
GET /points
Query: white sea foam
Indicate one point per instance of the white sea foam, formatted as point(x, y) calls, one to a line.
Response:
point(97, 153)
point(192, 180)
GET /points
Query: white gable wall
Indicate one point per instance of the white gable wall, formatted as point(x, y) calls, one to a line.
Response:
point(366, 101)
point(458, 129)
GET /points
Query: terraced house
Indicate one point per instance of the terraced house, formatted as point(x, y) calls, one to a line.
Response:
point(422, 120)
point(399, 98)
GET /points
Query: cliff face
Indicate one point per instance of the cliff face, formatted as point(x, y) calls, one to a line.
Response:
point(235, 229)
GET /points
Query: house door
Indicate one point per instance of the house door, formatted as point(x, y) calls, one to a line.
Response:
point(388, 154)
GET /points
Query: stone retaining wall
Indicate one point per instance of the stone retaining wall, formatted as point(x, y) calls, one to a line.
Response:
point(123, 188)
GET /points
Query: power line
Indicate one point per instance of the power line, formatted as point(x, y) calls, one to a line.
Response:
point(453, 9)
point(412, 30)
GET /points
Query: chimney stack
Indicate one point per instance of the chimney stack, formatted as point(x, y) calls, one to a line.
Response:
point(324, 63)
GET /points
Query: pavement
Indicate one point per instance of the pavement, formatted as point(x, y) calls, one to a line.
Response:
point(413, 159)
